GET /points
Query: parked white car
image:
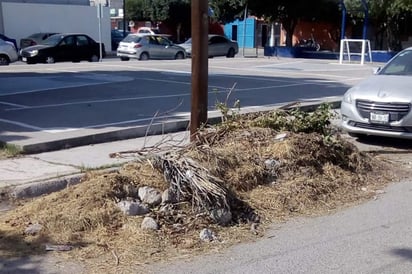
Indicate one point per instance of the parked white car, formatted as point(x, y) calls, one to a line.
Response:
point(8, 53)
point(381, 105)
point(148, 46)
point(218, 45)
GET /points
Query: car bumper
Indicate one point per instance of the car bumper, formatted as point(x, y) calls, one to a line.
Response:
point(13, 57)
point(353, 122)
point(32, 60)
point(127, 54)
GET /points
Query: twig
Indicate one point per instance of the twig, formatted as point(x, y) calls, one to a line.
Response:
point(230, 92)
point(116, 257)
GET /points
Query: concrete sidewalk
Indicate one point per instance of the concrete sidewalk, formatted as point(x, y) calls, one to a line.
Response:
point(37, 174)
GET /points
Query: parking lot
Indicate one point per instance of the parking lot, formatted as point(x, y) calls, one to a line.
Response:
point(67, 101)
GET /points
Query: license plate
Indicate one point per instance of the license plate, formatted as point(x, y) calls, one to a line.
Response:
point(24, 59)
point(379, 118)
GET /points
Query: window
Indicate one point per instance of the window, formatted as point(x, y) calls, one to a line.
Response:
point(82, 41)
point(68, 41)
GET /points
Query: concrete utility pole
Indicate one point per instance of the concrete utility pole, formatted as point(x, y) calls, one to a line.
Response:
point(200, 24)
point(124, 18)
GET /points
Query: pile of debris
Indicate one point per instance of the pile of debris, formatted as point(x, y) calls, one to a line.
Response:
point(227, 186)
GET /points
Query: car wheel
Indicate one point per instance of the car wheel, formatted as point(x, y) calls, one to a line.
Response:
point(231, 53)
point(180, 55)
point(94, 58)
point(4, 60)
point(50, 60)
point(124, 58)
point(144, 56)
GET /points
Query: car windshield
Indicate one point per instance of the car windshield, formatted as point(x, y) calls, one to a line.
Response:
point(53, 40)
point(132, 38)
point(188, 41)
point(37, 35)
point(399, 65)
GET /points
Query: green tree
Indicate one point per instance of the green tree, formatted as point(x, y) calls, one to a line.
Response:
point(179, 17)
point(226, 11)
point(148, 10)
point(388, 16)
point(138, 10)
point(289, 12)
point(175, 13)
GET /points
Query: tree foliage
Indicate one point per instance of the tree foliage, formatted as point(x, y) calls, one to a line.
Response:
point(176, 13)
point(289, 12)
point(226, 11)
point(387, 15)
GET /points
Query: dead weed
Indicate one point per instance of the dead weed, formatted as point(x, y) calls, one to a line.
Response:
point(278, 176)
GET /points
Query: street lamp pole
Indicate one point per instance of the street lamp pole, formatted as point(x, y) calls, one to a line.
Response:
point(124, 18)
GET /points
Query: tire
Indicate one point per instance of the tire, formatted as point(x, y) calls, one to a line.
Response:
point(94, 58)
point(124, 58)
point(231, 53)
point(180, 55)
point(4, 60)
point(50, 60)
point(144, 56)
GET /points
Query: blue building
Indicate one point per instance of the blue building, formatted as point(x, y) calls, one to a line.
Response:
point(251, 33)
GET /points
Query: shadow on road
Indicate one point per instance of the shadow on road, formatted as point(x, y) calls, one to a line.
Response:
point(405, 253)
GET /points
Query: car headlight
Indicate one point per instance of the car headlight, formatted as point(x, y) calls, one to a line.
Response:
point(347, 97)
point(33, 52)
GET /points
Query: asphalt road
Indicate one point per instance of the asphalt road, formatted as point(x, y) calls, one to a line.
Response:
point(374, 237)
point(66, 100)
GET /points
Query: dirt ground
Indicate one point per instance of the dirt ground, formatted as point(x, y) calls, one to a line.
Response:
point(260, 174)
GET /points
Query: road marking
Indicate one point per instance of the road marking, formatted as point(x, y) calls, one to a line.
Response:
point(24, 125)
point(11, 104)
point(213, 91)
point(63, 82)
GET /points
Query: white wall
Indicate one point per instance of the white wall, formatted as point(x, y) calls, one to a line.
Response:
point(23, 19)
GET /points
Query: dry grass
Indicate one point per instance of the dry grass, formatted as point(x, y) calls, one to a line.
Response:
point(313, 175)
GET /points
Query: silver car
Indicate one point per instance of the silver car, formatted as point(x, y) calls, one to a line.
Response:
point(148, 46)
point(218, 45)
point(381, 104)
point(8, 53)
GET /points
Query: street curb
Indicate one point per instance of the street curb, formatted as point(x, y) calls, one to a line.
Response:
point(35, 189)
point(116, 135)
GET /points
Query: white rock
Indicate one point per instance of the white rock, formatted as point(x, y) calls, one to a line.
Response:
point(207, 235)
point(168, 196)
point(272, 163)
point(149, 223)
point(150, 196)
point(33, 229)
point(281, 136)
point(132, 208)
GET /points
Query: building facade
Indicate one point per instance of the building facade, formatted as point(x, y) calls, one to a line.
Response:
point(18, 19)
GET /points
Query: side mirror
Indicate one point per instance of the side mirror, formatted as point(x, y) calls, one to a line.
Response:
point(376, 70)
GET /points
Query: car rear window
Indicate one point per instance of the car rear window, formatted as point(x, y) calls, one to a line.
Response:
point(132, 38)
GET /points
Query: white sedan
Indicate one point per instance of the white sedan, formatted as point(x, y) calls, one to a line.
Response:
point(8, 53)
point(381, 105)
point(218, 45)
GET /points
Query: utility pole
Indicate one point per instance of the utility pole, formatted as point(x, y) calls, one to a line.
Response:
point(124, 18)
point(200, 29)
